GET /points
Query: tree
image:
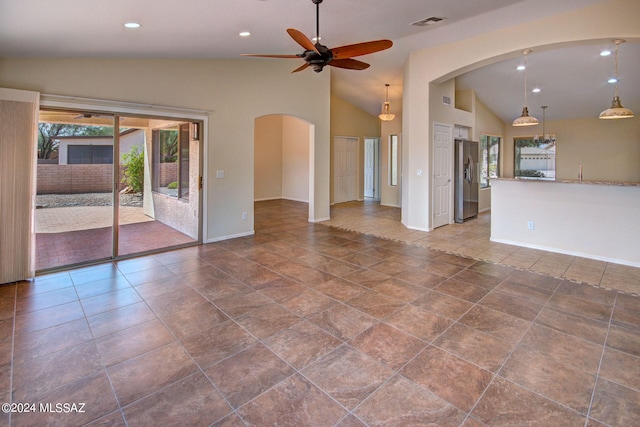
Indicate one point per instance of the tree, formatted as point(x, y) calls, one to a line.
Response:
point(133, 162)
point(49, 135)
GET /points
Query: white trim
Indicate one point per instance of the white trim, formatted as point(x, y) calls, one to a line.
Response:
point(76, 102)
point(417, 228)
point(231, 236)
point(267, 199)
point(391, 206)
point(572, 253)
point(319, 219)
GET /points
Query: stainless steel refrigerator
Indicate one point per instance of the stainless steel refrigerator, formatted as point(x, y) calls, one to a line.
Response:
point(466, 180)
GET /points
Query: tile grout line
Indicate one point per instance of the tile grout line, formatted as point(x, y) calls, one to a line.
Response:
point(604, 349)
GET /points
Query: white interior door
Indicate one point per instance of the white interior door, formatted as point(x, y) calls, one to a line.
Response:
point(442, 175)
point(369, 167)
point(345, 157)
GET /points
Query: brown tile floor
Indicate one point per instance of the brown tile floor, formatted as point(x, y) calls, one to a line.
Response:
point(472, 239)
point(307, 325)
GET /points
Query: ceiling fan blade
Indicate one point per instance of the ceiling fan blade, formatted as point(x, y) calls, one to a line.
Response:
point(350, 64)
point(302, 40)
point(302, 67)
point(270, 56)
point(349, 51)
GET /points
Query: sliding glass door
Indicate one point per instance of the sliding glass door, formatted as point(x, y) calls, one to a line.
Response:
point(108, 187)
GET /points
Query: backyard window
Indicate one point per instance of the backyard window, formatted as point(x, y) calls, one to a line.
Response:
point(90, 154)
point(535, 158)
point(171, 161)
point(490, 158)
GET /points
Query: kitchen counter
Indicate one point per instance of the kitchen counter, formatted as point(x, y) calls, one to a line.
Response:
point(597, 220)
point(569, 181)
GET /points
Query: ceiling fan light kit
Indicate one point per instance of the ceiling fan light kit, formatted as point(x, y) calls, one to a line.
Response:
point(386, 115)
point(617, 111)
point(525, 119)
point(316, 56)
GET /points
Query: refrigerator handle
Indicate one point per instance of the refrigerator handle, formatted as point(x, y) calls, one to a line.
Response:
point(469, 170)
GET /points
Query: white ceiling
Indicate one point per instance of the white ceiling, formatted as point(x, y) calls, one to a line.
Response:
point(209, 29)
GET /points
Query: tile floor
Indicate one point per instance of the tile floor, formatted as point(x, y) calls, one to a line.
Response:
point(472, 239)
point(307, 325)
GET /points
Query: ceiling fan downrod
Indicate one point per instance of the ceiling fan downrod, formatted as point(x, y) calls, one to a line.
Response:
point(317, 3)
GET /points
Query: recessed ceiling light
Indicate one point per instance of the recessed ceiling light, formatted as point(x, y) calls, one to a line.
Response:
point(132, 25)
point(536, 90)
point(612, 80)
point(244, 34)
point(520, 67)
point(605, 53)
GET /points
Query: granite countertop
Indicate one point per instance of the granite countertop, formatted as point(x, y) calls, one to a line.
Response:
point(569, 181)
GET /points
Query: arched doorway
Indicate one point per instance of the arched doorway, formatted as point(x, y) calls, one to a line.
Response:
point(282, 159)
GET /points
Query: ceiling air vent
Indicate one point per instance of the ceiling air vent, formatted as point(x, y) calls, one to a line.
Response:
point(427, 21)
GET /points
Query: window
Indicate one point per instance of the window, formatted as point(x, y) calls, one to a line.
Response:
point(393, 160)
point(90, 155)
point(490, 158)
point(171, 161)
point(535, 158)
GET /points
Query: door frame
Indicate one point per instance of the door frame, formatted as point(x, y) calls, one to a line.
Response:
point(376, 166)
point(126, 109)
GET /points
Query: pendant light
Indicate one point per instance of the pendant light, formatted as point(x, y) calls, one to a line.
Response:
point(386, 115)
point(617, 111)
point(525, 119)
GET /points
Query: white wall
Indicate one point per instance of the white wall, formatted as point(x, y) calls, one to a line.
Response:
point(234, 91)
point(589, 220)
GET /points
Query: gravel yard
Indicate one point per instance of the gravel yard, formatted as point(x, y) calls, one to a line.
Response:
point(85, 199)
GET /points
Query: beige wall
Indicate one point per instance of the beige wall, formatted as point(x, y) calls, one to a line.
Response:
point(281, 158)
point(390, 195)
point(608, 150)
point(605, 20)
point(235, 92)
point(348, 120)
point(268, 158)
point(295, 159)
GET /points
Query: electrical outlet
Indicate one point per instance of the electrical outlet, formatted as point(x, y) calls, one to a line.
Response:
point(244, 216)
point(530, 225)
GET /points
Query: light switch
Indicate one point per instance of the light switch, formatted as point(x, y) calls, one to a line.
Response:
point(419, 172)
point(219, 174)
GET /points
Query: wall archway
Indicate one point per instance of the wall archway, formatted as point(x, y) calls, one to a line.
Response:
point(429, 66)
point(283, 167)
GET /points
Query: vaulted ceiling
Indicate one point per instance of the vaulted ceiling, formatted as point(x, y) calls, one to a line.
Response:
point(210, 29)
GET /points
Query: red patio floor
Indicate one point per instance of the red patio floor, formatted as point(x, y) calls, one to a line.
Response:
point(55, 250)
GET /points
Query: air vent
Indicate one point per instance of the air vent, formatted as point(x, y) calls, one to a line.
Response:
point(446, 100)
point(427, 21)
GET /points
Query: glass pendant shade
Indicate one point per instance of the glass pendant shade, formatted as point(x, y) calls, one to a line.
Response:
point(386, 115)
point(525, 119)
point(617, 111)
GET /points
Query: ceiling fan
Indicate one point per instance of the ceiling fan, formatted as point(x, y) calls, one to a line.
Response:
point(317, 56)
